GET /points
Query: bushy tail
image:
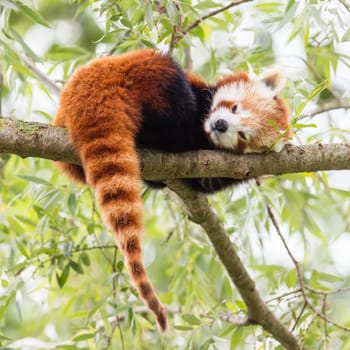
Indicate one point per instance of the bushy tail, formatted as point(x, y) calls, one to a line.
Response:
point(74, 172)
point(111, 167)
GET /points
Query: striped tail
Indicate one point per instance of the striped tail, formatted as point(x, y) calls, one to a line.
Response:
point(111, 167)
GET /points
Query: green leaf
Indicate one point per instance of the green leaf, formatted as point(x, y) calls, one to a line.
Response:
point(84, 336)
point(172, 12)
point(268, 7)
point(183, 328)
point(329, 277)
point(240, 304)
point(120, 265)
point(47, 116)
point(62, 278)
point(206, 4)
point(84, 257)
point(35, 179)
point(2, 337)
point(149, 16)
point(66, 347)
point(23, 249)
point(303, 126)
point(124, 17)
point(236, 338)
point(30, 13)
point(289, 14)
point(192, 320)
point(72, 203)
point(4, 283)
point(273, 124)
point(148, 43)
point(346, 36)
point(19, 303)
point(59, 53)
point(291, 278)
point(21, 68)
point(317, 90)
point(75, 266)
point(25, 47)
point(167, 25)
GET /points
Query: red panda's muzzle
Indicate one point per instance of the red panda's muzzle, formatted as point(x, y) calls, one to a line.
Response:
point(221, 125)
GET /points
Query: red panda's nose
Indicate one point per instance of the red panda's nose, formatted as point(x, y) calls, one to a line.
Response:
point(220, 125)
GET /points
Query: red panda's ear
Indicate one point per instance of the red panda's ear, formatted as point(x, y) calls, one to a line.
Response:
point(274, 80)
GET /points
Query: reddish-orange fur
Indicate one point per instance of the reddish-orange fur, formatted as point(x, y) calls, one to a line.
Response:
point(107, 149)
point(104, 107)
point(263, 109)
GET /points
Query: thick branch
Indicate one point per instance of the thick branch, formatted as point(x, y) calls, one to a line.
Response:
point(29, 139)
point(258, 313)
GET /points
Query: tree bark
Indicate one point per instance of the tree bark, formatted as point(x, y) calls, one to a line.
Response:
point(257, 311)
point(30, 139)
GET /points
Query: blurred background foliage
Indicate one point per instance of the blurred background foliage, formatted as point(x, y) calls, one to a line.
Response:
point(63, 284)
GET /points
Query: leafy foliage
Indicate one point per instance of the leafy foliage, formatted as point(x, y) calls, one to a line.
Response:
point(63, 284)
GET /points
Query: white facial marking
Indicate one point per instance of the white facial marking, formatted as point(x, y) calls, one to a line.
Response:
point(224, 125)
point(229, 138)
point(228, 92)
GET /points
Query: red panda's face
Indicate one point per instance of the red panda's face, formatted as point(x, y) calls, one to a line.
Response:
point(242, 110)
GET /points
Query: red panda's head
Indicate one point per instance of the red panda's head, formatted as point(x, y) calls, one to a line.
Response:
point(246, 114)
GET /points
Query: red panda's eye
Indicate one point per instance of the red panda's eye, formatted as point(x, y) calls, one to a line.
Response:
point(234, 108)
point(242, 136)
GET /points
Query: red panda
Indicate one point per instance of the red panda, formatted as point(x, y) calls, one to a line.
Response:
point(113, 105)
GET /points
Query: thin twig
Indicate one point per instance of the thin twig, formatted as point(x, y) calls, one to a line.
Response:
point(328, 320)
point(41, 76)
point(345, 4)
point(282, 296)
point(74, 251)
point(114, 268)
point(291, 256)
point(302, 284)
point(325, 324)
point(330, 292)
point(327, 107)
point(236, 319)
point(212, 14)
point(298, 317)
point(122, 342)
point(179, 35)
point(176, 29)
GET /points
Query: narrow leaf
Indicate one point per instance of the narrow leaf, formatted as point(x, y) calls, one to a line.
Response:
point(76, 267)
point(31, 14)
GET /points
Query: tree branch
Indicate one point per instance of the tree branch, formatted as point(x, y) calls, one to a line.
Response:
point(213, 13)
point(30, 139)
point(303, 285)
point(345, 4)
point(178, 35)
point(54, 89)
point(327, 107)
point(258, 313)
